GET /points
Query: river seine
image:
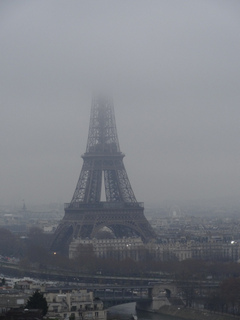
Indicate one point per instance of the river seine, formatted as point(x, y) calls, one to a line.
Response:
point(125, 311)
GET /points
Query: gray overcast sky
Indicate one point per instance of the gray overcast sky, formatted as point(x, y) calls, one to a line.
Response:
point(173, 69)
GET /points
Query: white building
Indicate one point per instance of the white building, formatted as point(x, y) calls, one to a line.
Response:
point(79, 305)
point(105, 248)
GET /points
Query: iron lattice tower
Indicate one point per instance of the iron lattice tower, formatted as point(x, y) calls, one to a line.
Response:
point(86, 215)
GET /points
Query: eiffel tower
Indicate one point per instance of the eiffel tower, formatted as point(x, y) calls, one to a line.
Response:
point(103, 168)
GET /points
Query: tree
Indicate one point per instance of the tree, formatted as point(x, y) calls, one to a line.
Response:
point(8, 243)
point(85, 260)
point(230, 292)
point(37, 237)
point(37, 301)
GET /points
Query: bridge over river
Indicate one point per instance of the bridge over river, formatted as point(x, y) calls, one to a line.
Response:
point(117, 294)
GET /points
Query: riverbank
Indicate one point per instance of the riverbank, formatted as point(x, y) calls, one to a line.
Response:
point(194, 314)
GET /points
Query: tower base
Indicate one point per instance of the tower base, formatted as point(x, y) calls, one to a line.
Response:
point(85, 221)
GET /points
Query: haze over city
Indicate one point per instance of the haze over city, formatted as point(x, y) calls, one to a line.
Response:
point(173, 70)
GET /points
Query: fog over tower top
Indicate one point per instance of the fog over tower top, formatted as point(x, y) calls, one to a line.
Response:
point(102, 135)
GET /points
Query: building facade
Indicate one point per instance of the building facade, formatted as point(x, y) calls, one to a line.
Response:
point(119, 249)
point(78, 305)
